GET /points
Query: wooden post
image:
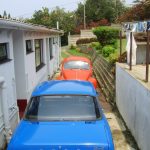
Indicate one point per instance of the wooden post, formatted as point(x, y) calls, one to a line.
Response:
point(120, 43)
point(147, 57)
point(131, 51)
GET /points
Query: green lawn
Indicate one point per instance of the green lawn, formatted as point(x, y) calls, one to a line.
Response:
point(75, 52)
point(64, 54)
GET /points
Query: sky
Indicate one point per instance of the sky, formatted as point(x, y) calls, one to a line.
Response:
point(25, 8)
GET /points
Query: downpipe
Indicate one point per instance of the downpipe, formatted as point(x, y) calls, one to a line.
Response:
point(7, 128)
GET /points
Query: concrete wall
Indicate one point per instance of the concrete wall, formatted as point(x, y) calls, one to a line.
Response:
point(7, 71)
point(72, 39)
point(87, 33)
point(133, 101)
point(19, 60)
point(31, 76)
point(141, 53)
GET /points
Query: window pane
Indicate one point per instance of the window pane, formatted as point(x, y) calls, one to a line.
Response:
point(38, 52)
point(28, 46)
point(76, 65)
point(62, 108)
point(38, 57)
point(3, 51)
point(50, 49)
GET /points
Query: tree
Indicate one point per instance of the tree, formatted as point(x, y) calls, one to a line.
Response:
point(4, 14)
point(9, 16)
point(41, 17)
point(140, 11)
point(100, 9)
point(49, 19)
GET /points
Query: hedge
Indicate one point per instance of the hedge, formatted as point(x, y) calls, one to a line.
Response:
point(106, 35)
point(86, 41)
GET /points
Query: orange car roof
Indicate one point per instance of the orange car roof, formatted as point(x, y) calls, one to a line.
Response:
point(73, 58)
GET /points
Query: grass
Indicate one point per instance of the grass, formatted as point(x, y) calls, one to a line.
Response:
point(75, 52)
point(64, 54)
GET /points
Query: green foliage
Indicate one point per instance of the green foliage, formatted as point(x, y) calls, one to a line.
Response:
point(113, 58)
point(72, 46)
point(49, 19)
point(5, 14)
point(107, 50)
point(85, 41)
point(106, 35)
point(100, 9)
point(76, 52)
point(64, 54)
point(96, 45)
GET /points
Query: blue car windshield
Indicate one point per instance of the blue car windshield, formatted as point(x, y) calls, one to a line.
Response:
point(62, 108)
point(77, 65)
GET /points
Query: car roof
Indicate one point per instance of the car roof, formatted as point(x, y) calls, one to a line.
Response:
point(73, 58)
point(63, 87)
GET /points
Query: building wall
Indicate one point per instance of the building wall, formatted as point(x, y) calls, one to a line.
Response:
point(133, 101)
point(19, 62)
point(32, 77)
point(7, 71)
point(141, 53)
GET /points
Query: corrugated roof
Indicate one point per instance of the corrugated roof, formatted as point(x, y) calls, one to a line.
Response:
point(18, 25)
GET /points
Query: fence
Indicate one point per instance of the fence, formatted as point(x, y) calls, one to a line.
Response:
point(103, 71)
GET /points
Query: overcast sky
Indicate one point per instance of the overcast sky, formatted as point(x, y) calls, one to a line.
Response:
point(25, 8)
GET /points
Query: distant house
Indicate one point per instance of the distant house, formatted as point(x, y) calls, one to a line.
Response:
point(29, 54)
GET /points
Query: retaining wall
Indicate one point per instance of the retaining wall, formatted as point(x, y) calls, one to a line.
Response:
point(133, 102)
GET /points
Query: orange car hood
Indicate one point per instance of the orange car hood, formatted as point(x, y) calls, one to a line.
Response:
point(76, 74)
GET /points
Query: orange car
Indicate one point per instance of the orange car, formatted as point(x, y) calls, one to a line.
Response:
point(77, 68)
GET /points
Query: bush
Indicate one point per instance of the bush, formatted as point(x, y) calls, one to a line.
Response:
point(72, 46)
point(107, 50)
point(86, 41)
point(96, 45)
point(106, 35)
point(113, 58)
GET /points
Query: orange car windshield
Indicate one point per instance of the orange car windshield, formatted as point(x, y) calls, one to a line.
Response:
point(76, 65)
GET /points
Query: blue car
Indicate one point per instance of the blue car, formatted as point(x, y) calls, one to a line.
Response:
point(63, 115)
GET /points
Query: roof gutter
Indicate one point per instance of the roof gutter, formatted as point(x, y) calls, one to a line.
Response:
point(16, 25)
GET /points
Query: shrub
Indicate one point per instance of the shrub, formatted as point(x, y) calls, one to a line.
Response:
point(96, 45)
point(86, 41)
point(107, 50)
point(72, 46)
point(106, 35)
point(113, 58)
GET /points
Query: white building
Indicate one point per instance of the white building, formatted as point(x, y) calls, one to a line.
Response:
point(29, 54)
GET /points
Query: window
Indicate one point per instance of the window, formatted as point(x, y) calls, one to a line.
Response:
point(29, 46)
point(62, 107)
point(3, 52)
point(50, 49)
point(77, 65)
point(39, 54)
point(54, 40)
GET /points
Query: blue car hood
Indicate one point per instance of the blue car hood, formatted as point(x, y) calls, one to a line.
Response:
point(60, 135)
